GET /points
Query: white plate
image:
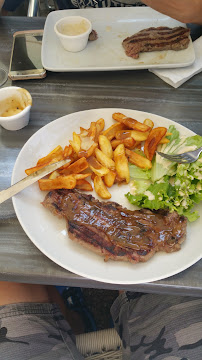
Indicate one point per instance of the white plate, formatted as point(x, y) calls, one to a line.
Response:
point(113, 25)
point(49, 233)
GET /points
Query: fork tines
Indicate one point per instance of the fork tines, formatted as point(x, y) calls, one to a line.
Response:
point(180, 158)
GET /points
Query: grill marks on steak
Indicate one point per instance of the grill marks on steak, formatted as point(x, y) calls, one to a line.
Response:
point(113, 231)
point(156, 39)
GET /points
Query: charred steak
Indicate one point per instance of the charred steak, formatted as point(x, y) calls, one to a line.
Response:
point(93, 36)
point(113, 231)
point(156, 39)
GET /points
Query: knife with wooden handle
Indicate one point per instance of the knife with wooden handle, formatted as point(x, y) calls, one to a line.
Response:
point(29, 180)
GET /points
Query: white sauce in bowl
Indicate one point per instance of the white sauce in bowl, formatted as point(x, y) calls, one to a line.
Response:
point(74, 29)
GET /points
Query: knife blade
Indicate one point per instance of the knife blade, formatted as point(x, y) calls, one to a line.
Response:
point(30, 179)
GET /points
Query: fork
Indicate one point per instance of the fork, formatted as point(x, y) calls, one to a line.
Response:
point(187, 157)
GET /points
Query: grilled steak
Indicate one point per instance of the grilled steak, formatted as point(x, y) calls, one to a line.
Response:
point(113, 231)
point(155, 39)
point(93, 36)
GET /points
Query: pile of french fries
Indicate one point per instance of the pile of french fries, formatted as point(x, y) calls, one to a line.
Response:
point(102, 155)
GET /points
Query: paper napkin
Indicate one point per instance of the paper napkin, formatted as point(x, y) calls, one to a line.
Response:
point(176, 77)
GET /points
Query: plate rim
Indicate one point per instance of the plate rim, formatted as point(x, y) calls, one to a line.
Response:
point(109, 68)
point(69, 268)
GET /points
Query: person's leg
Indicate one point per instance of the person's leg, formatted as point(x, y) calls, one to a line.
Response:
point(32, 325)
point(12, 293)
point(159, 327)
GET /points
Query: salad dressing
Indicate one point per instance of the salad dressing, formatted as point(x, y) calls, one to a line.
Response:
point(14, 110)
point(14, 104)
point(74, 29)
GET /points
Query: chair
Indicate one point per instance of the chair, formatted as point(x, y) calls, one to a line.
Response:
point(34, 7)
point(100, 345)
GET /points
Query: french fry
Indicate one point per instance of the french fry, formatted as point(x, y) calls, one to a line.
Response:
point(54, 175)
point(154, 138)
point(88, 137)
point(92, 130)
point(117, 142)
point(149, 123)
point(36, 168)
point(104, 160)
point(123, 134)
point(81, 176)
point(112, 130)
point(76, 142)
point(136, 135)
point(56, 154)
point(129, 143)
point(105, 146)
point(121, 163)
point(93, 176)
point(87, 171)
point(61, 182)
point(89, 152)
point(65, 166)
point(84, 185)
point(119, 180)
point(139, 136)
point(100, 188)
point(83, 132)
point(96, 167)
point(100, 124)
point(68, 150)
point(109, 178)
point(138, 160)
point(103, 155)
point(75, 168)
point(164, 140)
point(131, 123)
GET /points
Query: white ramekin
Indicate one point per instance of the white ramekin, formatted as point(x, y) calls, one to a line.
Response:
point(20, 120)
point(73, 43)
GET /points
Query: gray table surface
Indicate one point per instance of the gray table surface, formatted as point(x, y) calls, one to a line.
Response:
point(63, 93)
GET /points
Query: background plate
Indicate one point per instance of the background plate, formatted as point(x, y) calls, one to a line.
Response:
point(49, 233)
point(113, 25)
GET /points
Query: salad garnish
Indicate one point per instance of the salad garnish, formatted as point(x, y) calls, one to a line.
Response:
point(168, 185)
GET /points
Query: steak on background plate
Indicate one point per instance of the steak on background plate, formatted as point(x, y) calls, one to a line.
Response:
point(156, 39)
point(116, 232)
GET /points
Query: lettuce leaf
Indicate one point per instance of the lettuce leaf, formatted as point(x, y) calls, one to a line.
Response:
point(156, 197)
point(138, 173)
point(177, 193)
point(194, 140)
point(165, 196)
point(177, 145)
point(139, 186)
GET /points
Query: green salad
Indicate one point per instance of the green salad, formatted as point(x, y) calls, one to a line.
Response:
point(177, 187)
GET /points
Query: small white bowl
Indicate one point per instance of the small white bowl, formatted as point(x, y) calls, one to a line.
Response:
point(67, 26)
point(11, 99)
